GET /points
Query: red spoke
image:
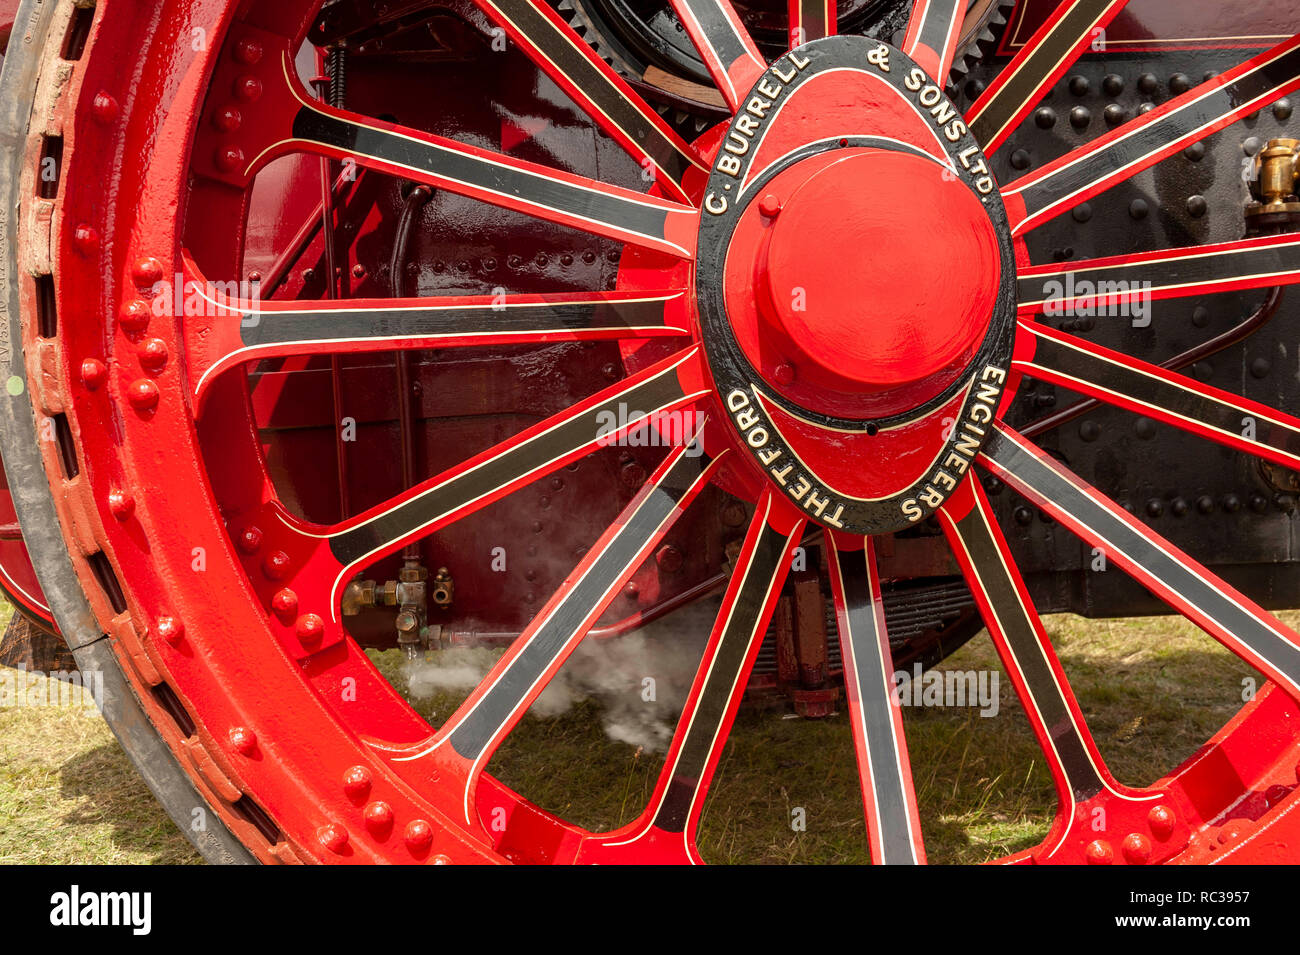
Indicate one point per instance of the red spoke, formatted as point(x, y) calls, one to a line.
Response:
point(1233, 619)
point(1029, 659)
point(597, 88)
point(932, 34)
point(884, 770)
point(237, 332)
point(1043, 60)
point(725, 46)
point(666, 830)
point(811, 20)
point(1147, 389)
point(1122, 281)
point(464, 745)
point(1096, 166)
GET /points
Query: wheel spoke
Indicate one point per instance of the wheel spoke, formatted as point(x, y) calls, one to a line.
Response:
point(525, 187)
point(1147, 389)
point(241, 332)
point(811, 20)
point(1023, 645)
point(342, 550)
point(1126, 280)
point(724, 44)
point(932, 33)
point(893, 822)
point(592, 83)
point(1096, 166)
point(1050, 52)
point(672, 816)
point(466, 742)
point(1242, 626)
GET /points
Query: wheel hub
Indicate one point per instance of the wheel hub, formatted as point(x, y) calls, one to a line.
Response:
point(855, 285)
point(866, 301)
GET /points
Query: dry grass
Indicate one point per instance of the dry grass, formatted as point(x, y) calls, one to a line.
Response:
point(1153, 690)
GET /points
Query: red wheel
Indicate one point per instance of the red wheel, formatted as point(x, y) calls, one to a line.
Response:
point(697, 362)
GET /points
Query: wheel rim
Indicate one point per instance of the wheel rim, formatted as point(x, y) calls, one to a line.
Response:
point(319, 777)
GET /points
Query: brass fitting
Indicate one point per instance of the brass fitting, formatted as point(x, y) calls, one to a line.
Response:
point(444, 588)
point(1274, 185)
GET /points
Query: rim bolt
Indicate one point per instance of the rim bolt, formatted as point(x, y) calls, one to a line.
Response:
point(170, 629)
point(248, 88)
point(93, 373)
point(250, 539)
point(276, 565)
point(356, 782)
point(285, 604)
point(248, 51)
point(153, 354)
point(243, 739)
point(418, 836)
point(1161, 820)
point(309, 628)
point(1137, 848)
point(104, 107)
point(379, 817)
point(1099, 852)
point(85, 238)
point(134, 316)
point(333, 837)
point(784, 373)
point(769, 205)
point(143, 394)
point(229, 158)
point(120, 503)
point(147, 272)
point(441, 859)
point(227, 120)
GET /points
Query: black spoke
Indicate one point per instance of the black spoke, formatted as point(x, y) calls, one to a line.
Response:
point(893, 822)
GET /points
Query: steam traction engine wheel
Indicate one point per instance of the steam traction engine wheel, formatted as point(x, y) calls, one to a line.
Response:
point(812, 318)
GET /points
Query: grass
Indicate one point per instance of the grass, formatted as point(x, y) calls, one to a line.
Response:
point(1152, 689)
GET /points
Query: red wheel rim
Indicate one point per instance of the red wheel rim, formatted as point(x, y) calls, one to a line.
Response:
point(317, 777)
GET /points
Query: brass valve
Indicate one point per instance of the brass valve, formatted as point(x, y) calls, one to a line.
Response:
point(1274, 185)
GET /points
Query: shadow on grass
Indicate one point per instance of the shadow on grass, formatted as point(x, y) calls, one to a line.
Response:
point(105, 788)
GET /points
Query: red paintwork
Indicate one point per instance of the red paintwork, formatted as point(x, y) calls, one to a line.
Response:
point(326, 728)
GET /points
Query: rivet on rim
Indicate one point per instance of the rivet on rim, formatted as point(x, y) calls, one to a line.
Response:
point(104, 107)
point(93, 373)
point(153, 354)
point(121, 504)
point(1099, 852)
point(170, 629)
point(310, 627)
point(356, 782)
point(1161, 820)
point(379, 818)
point(243, 739)
point(249, 539)
point(333, 837)
point(85, 238)
point(418, 836)
point(276, 565)
point(134, 316)
point(285, 604)
point(1137, 848)
point(143, 394)
point(147, 272)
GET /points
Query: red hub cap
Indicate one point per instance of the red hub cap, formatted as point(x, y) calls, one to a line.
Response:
point(854, 284)
point(881, 270)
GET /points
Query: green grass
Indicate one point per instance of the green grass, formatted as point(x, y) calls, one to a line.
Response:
point(1153, 690)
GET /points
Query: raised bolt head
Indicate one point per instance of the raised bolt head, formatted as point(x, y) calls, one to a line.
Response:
point(134, 316)
point(276, 565)
point(142, 394)
point(249, 539)
point(418, 836)
point(356, 782)
point(1161, 820)
point(121, 504)
point(333, 837)
point(1137, 849)
point(170, 629)
point(153, 353)
point(769, 205)
point(147, 272)
point(85, 238)
point(379, 817)
point(93, 373)
point(1099, 852)
point(243, 739)
point(285, 604)
point(310, 628)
